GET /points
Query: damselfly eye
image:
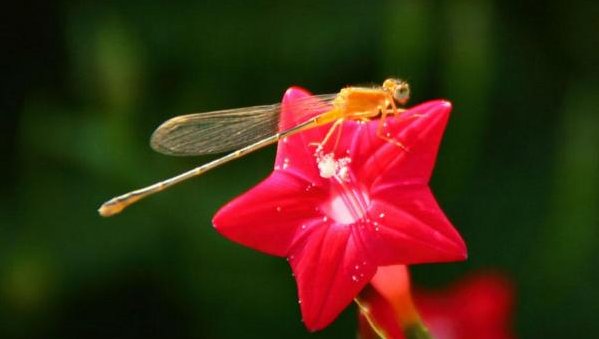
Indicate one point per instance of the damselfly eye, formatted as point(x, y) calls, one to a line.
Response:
point(402, 93)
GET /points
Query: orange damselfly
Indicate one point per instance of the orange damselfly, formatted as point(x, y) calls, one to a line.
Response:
point(251, 128)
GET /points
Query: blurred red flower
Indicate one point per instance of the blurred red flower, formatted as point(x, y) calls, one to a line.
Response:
point(361, 203)
point(478, 307)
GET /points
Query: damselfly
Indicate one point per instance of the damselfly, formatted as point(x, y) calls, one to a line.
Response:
point(248, 129)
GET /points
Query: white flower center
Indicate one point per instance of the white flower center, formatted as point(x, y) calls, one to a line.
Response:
point(349, 201)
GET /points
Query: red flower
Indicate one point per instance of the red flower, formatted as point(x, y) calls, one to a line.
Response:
point(361, 203)
point(478, 307)
point(385, 305)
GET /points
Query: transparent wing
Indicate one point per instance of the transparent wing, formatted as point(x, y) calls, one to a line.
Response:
point(215, 132)
point(226, 130)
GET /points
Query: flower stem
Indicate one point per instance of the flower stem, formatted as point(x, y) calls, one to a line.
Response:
point(387, 309)
point(417, 331)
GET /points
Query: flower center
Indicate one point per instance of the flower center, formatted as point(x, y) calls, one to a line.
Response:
point(349, 201)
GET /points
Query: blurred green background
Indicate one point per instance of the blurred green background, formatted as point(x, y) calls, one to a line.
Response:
point(85, 83)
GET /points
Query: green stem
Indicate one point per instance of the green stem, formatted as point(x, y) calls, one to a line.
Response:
point(417, 331)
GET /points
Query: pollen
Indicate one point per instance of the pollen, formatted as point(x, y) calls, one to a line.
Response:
point(329, 167)
point(348, 201)
point(326, 165)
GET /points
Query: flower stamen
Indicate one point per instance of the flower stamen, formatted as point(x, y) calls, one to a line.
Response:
point(349, 202)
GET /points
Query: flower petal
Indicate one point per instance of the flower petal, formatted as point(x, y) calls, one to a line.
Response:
point(409, 228)
point(268, 216)
point(386, 303)
point(330, 268)
point(377, 312)
point(294, 153)
point(419, 130)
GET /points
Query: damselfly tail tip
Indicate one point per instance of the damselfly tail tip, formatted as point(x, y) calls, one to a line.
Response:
point(116, 205)
point(110, 208)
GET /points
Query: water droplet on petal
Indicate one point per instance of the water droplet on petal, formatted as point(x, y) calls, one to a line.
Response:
point(278, 208)
point(382, 215)
point(299, 301)
point(325, 218)
point(354, 278)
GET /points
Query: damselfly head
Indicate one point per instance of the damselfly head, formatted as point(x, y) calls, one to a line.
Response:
point(399, 89)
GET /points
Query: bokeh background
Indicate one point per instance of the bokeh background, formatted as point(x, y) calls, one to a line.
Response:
point(85, 83)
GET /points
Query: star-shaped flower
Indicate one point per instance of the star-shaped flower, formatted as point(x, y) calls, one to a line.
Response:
point(340, 213)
